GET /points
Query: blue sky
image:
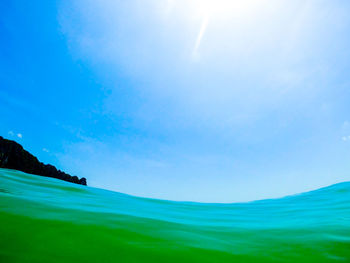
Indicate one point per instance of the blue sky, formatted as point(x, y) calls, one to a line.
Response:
point(214, 101)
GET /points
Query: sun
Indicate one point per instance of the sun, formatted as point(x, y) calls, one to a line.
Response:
point(225, 7)
point(210, 10)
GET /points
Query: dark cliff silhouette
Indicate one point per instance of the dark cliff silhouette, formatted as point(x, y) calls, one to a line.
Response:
point(13, 156)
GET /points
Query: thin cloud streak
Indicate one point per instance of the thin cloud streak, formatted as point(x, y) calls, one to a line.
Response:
point(201, 34)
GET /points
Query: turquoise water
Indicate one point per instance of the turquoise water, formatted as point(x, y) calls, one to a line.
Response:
point(48, 220)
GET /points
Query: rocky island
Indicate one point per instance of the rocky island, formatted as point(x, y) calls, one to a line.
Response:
point(13, 156)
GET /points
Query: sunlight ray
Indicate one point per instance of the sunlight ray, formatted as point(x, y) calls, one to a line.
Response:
point(202, 30)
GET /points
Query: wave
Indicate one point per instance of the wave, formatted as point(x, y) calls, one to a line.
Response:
point(48, 220)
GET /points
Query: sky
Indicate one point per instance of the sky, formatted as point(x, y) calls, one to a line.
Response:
point(196, 100)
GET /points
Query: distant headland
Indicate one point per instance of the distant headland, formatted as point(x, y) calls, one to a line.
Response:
point(13, 156)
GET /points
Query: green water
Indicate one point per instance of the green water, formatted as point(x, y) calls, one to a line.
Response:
point(48, 220)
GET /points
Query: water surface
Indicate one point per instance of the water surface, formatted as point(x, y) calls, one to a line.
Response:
point(49, 220)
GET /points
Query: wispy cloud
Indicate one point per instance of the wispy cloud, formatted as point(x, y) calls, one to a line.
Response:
point(247, 59)
point(13, 134)
point(346, 138)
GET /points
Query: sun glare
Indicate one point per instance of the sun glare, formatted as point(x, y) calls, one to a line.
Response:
point(210, 10)
point(225, 7)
